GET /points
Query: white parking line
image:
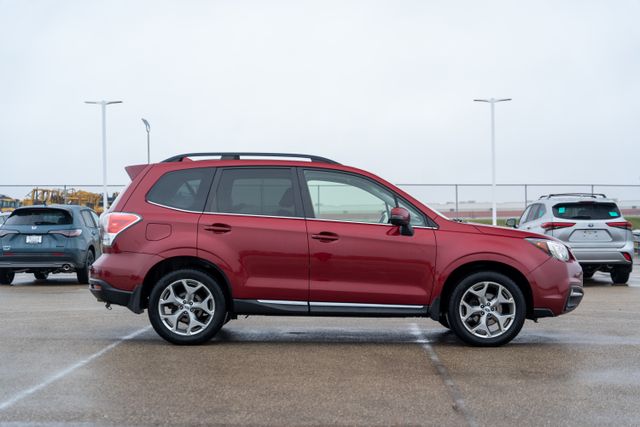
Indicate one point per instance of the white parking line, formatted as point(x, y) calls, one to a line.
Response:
point(452, 388)
point(63, 373)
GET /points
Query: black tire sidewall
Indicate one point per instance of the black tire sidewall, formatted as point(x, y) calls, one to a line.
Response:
point(456, 323)
point(620, 275)
point(219, 315)
point(6, 277)
point(83, 273)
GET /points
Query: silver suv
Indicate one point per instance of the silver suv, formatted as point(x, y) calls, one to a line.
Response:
point(590, 224)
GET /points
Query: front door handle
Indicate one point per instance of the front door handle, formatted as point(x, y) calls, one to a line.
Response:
point(218, 228)
point(325, 236)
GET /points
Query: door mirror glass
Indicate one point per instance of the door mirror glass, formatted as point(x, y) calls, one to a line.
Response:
point(512, 222)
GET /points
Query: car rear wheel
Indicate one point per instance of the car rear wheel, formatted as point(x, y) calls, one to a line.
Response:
point(187, 307)
point(83, 273)
point(486, 309)
point(6, 276)
point(620, 274)
point(41, 276)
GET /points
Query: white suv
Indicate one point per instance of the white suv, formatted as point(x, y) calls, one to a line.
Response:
point(590, 224)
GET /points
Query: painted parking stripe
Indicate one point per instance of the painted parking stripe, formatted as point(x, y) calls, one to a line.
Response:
point(63, 373)
point(456, 395)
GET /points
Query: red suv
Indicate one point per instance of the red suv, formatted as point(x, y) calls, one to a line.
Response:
point(197, 243)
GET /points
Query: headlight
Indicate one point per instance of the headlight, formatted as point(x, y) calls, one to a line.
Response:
point(552, 248)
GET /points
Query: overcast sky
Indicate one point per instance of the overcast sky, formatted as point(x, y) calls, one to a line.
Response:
point(383, 85)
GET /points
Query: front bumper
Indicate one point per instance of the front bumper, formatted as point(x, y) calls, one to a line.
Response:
point(556, 287)
point(110, 295)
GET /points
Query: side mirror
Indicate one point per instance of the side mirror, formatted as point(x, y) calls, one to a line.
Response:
point(512, 222)
point(402, 218)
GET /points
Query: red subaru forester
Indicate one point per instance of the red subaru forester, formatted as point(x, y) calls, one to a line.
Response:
point(199, 242)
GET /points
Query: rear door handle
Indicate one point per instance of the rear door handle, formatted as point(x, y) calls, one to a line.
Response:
point(218, 228)
point(325, 236)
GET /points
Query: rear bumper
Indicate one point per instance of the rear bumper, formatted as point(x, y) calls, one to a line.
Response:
point(603, 255)
point(110, 295)
point(26, 261)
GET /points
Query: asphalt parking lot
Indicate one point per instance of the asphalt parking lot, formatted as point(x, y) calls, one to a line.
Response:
point(66, 360)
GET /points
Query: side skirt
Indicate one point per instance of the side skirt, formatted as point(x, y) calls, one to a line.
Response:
point(302, 308)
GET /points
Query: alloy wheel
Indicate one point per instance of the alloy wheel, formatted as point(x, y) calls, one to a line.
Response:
point(186, 307)
point(487, 309)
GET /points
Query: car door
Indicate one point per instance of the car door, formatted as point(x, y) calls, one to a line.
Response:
point(358, 261)
point(92, 226)
point(253, 227)
point(536, 218)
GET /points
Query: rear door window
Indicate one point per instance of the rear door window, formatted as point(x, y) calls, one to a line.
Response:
point(185, 189)
point(586, 210)
point(40, 216)
point(257, 191)
point(87, 218)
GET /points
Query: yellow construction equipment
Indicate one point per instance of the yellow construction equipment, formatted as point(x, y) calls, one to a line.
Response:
point(8, 204)
point(51, 196)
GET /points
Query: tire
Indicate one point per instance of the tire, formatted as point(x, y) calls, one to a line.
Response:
point(6, 276)
point(168, 311)
point(588, 274)
point(620, 275)
point(41, 276)
point(481, 326)
point(83, 273)
point(444, 321)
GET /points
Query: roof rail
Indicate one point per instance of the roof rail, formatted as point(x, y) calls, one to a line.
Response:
point(237, 156)
point(593, 195)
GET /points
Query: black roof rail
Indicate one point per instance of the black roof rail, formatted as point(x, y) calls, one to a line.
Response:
point(593, 195)
point(237, 156)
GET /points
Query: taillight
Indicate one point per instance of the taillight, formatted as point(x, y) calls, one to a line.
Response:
point(621, 224)
point(115, 223)
point(556, 225)
point(67, 233)
point(627, 256)
point(7, 232)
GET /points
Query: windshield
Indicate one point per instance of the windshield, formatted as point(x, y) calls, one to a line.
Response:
point(40, 216)
point(586, 210)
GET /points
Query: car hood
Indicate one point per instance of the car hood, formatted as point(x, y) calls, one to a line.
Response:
point(507, 232)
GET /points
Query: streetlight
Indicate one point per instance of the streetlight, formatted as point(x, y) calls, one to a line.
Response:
point(493, 101)
point(103, 103)
point(148, 127)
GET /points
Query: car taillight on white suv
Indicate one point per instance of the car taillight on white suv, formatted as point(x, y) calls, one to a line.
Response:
point(114, 223)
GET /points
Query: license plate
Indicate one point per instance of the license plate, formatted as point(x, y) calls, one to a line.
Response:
point(34, 240)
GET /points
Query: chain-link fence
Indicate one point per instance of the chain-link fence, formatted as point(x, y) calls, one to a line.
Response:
point(454, 200)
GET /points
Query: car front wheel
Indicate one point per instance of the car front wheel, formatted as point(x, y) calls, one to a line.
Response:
point(486, 309)
point(187, 307)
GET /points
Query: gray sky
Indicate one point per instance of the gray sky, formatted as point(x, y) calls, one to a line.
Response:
point(386, 86)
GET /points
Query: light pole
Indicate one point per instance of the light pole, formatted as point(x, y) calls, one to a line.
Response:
point(148, 127)
point(103, 103)
point(493, 101)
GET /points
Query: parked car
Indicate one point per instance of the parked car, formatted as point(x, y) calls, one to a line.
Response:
point(49, 239)
point(199, 242)
point(3, 217)
point(591, 225)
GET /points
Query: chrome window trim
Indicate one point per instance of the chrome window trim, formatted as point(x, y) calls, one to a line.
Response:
point(171, 207)
point(282, 302)
point(284, 217)
point(252, 215)
point(361, 305)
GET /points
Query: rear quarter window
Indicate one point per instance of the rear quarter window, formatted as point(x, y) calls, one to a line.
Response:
point(586, 210)
point(40, 216)
point(185, 189)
